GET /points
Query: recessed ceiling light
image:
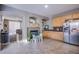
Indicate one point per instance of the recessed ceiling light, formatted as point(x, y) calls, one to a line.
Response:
point(46, 6)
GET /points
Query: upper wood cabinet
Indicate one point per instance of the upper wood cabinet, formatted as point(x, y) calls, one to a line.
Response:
point(68, 16)
point(62, 19)
point(75, 15)
point(58, 21)
point(55, 22)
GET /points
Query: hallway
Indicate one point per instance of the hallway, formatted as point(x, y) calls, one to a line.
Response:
point(48, 46)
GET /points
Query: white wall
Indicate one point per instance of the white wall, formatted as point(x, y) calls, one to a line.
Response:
point(25, 18)
point(25, 23)
point(49, 22)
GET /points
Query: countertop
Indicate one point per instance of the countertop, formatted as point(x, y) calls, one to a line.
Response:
point(53, 30)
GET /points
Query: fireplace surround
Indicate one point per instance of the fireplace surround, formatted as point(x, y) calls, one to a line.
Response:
point(33, 31)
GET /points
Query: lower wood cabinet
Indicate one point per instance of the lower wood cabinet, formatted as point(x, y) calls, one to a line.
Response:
point(53, 35)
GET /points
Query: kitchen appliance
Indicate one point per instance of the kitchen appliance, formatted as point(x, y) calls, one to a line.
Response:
point(66, 31)
point(71, 32)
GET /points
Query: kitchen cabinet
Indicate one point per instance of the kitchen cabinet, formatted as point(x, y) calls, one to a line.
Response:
point(58, 21)
point(45, 34)
point(68, 16)
point(75, 15)
point(53, 35)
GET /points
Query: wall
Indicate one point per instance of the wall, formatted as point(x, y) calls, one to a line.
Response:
point(8, 11)
point(49, 22)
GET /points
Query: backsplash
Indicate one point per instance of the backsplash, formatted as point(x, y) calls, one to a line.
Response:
point(57, 29)
point(60, 29)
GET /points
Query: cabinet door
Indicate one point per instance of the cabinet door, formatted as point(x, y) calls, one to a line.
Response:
point(56, 35)
point(76, 15)
point(45, 33)
point(61, 20)
point(68, 16)
point(54, 22)
point(58, 21)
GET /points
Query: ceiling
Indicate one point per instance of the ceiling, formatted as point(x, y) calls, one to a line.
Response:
point(39, 9)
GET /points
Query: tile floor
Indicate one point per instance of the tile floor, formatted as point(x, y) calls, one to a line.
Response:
point(48, 46)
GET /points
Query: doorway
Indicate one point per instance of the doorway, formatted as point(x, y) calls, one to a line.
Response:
point(13, 29)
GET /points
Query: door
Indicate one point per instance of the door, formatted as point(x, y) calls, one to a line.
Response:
point(13, 27)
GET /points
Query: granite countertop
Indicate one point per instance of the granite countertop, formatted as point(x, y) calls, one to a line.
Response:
point(53, 30)
point(56, 29)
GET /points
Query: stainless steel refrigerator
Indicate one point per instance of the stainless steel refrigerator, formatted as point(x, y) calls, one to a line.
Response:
point(71, 32)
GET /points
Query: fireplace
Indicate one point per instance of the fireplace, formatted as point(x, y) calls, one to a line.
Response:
point(33, 31)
